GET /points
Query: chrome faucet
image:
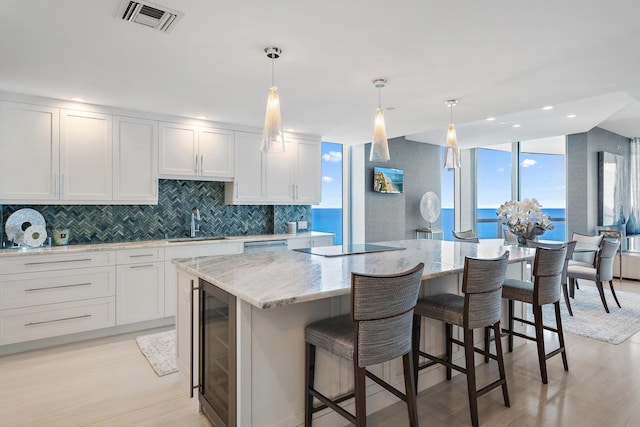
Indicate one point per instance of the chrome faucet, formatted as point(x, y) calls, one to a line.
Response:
point(195, 221)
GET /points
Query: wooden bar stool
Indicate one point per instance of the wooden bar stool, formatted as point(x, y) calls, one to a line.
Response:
point(478, 308)
point(548, 266)
point(378, 330)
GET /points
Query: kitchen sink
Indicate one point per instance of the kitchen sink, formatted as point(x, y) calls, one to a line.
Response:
point(194, 239)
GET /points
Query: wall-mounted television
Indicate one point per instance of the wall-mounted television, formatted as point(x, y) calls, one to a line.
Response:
point(388, 180)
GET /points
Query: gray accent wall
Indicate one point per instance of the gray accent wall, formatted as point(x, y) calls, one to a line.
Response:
point(397, 216)
point(582, 176)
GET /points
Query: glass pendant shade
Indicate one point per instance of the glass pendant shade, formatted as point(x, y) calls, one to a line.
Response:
point(452, 152)
point(379, 146)
point(272, 136)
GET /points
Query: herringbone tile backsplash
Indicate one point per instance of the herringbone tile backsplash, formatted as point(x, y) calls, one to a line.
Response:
point(169, 218)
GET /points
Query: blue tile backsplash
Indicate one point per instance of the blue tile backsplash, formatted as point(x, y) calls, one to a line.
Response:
point(169, 218)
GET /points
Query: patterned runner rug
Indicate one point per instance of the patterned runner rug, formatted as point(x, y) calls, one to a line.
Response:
point(160, 351)
point(589, 318)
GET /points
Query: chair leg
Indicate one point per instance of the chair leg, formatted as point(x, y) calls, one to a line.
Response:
point(561, 335)
point(576, 282)
point(415, 346)
point(510, 320)
point(601, 290)
point(614, 293)
point(448, 330)
point(537, 316)
point(410, 387)
point(360, 396)
point(309, 379)
point(487, 343)
point(471, 376)
point(565, 292)
point(503, 376)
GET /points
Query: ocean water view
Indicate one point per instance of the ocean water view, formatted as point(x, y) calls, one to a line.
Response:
point(489, 230)
point(330, 221)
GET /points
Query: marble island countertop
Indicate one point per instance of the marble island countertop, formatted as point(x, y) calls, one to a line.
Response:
point(271, 279)
point(153, 243)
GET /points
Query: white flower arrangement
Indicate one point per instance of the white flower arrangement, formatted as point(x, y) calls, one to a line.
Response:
point(524, 218)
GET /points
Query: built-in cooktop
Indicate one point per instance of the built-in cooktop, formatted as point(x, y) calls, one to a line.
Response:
point(330, 251)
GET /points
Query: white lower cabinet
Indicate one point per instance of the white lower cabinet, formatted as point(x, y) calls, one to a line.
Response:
point(139, 292)
point(43, 296)
point(226, 247)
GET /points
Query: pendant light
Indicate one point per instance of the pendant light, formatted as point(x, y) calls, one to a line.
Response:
point(272, 137)
point(379, 146)
point(452, 152)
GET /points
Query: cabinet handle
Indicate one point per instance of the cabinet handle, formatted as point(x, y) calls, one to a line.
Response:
point(57, 287)
point(56, 262)
point(55, 184)
point(82, 316)
point(62, 189)
point(193, 288)
point(196, 165)
point(140, 256)
point(237, 189)
point(141, 266)
point(201, 164)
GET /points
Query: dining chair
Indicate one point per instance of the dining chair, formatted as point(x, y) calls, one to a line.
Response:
point(479, 307)
point(570, 248)
point(378, 329)
point(548, 265)
point(465, 236)
point(588, 257)
point(600, 273)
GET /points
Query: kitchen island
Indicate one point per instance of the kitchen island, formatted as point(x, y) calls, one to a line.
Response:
point(276, 294)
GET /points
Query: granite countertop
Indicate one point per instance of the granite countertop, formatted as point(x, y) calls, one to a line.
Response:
point(271, 279)
point(152, 243)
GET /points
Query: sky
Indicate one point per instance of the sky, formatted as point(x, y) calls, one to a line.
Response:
point(541, 176)
point(331, 176)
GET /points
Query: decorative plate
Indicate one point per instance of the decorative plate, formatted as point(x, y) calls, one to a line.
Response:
point(19, 221)
point(430, 206)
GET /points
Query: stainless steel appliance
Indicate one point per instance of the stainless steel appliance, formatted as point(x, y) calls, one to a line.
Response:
point(265, 246)
point(217, 371)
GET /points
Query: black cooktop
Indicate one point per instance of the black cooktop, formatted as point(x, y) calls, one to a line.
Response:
point(331, 251)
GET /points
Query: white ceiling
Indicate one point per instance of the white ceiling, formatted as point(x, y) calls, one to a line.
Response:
point(500, 58)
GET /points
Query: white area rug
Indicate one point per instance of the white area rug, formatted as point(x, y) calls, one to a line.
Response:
point(589, 318)
point(160, 351)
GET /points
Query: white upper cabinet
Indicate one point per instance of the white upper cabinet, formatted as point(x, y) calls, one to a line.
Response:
point(308, 176)
point(248, 185)
point(86, 159)
point(195, 152)
point(29, 149)
point(135, 160)
point(292, 177)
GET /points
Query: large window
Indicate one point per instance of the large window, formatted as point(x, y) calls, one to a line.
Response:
point(543, 176)
point(447, 190)
point(493, 186)
point(539, 173)
point(327, 216)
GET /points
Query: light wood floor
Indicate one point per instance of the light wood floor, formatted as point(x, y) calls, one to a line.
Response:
point(107, 382)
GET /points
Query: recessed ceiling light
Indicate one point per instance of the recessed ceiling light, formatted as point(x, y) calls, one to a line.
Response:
point(202, 117)
point(571, 116)
point(503, 122)
point(290, 130)
point(490, 119)
point(548, 107)
point(515, 126)
point(76, 99)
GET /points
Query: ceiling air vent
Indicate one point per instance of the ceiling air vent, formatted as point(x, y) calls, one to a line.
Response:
point(150, 15)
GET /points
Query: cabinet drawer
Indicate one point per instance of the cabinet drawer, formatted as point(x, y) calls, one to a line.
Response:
point(23, 290)
point(55, 261)
point(25, 324)
point(135, 256)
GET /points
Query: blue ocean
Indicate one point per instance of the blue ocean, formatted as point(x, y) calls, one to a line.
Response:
point(330, 221)
point(489, 230)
